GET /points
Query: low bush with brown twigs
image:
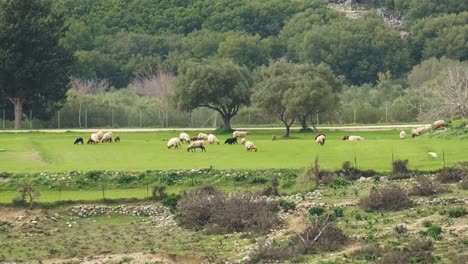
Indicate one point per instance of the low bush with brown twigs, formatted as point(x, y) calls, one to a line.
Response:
point(391, 197)
point(419, 251)
point(424, 186)
point(217, 212)
point(453, 174)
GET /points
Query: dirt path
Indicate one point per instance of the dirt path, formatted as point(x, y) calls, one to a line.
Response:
point(345, 128)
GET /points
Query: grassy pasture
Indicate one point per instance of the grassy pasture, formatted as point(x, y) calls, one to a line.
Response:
point(55, 152)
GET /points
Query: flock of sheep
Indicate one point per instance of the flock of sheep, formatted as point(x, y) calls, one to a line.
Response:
point(199, 141)
point(99, 137)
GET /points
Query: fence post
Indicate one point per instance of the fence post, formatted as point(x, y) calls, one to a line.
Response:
point(58, 119)
point(30, 118)
point(140, 118)
point(86, 117)
point(3, 120)
point(112, 117)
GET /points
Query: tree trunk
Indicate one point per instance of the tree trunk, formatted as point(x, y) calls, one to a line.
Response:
point(227, 121)
point(18, 103)
point(79, 115)
point(303, 122)
point(288, 128)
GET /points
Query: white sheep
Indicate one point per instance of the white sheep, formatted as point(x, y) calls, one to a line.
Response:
point(438, 124)
point(94, 139)
point(250, 146)
point(418, 131)
point(212, 139)
point(197, 144)
point(202, 136)
point(184, 137)
point(107, 137)
point(320, 138)
point(173, 142)
point(100, 134)
point(240, 134)
point(402, 134)
point(353, 138)
point(243, 141)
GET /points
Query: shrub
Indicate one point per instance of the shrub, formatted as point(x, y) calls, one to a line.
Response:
point(400, 169)
point(326, 177)
point(401, 229)
point(158, 192)
point(427, 223)
point(420, 251)
point(433, 231)
point(319, 237)
point(125, 179)
point(316, 211)
point(169, 178)
point(452, 174)
point(351, 173)
point(270, 251)
point(218, 213)
point(287, 205)
point(259, 180)
point(391, 197)
point(339, 182)
point(170, 201)
point(457, 212)
point(395, 257)
point(339, 211)
point(367, 252)
point(425, 187)
point(463, 183)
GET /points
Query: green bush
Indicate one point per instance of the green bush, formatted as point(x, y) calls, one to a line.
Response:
point(170, 201)
point(339, 211)
point(457, 212)
point(339, 182)
point(287, 205)
point(433, 231)
point(316, 211)
point(259, 180)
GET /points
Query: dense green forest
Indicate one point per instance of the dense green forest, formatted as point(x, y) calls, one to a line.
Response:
point(386, 73)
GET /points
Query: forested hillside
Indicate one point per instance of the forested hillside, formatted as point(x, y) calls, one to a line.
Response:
point(123, 41)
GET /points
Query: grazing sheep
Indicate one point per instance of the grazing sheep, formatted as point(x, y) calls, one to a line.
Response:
point(100, 134)
point(184, 137)
point(117, 139)
point(243, 141)
point(196, 144)
point(212, 139)
point(418, 131)
point(94, 139)
point(438, 124)
point(107, 137)
point(195, 138)
point(173, 142)
point(320, 138)
point(353, 138)
point(402, 134)
point(273, 137)
point(78, 140)
point(250, 146)
point(240, 134)
point(202, 136)
point(231, 141)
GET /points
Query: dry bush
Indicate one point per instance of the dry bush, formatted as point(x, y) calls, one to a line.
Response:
point(269, 251)
point(326, 177)
point(351, 173)
point(463, 183)
point(218, 213)
point(452, 174)
point(420, 251)
point(400, 169)
point(322, 236)
point(391, 197)
point(395, 257)
point(367, 252)
point(460, 259)
point(425, 187)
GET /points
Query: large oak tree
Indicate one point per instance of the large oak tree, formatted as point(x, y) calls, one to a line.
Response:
point(219, 85)
point(34, 68)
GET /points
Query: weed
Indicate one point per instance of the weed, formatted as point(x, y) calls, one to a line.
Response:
point(339, 211)
point(427, 223)
point(287, 205)
point(391, 197)
point(316, 211)
point(457, 212)
point(400, 169)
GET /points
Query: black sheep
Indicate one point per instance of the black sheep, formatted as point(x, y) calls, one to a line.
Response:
point(231, 141)
point(78, 140)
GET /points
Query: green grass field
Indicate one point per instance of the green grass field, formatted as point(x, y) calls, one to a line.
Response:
point(55, 152)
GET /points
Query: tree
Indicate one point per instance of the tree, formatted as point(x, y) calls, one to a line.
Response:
point(34, 68)
point(245, 50)
point(295, 91)
point(157, 85)
point(219, 85)
point(83, 87)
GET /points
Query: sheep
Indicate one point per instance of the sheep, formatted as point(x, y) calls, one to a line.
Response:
point(353, 138)
point(173, 142)
point(184, 137)
point(418, 131)
point(202, 136)
point(117, 139)
point(94, 139)
point(212, 139)
point(438, 124)
point(100, 134)
point(78, 140)
point(273, 137)
point(196, 144)
point(250, 146)
point(320, 138)
point(195, 138)
point(231, 141)
point(240, 134)
point(402, 134)
point(243, 141)
point(107, 137)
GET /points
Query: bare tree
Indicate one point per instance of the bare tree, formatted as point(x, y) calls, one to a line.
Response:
point(84, 87)
point(158, 85)
point(447, 96)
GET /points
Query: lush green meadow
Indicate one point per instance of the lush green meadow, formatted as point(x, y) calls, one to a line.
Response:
point(54, 152)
